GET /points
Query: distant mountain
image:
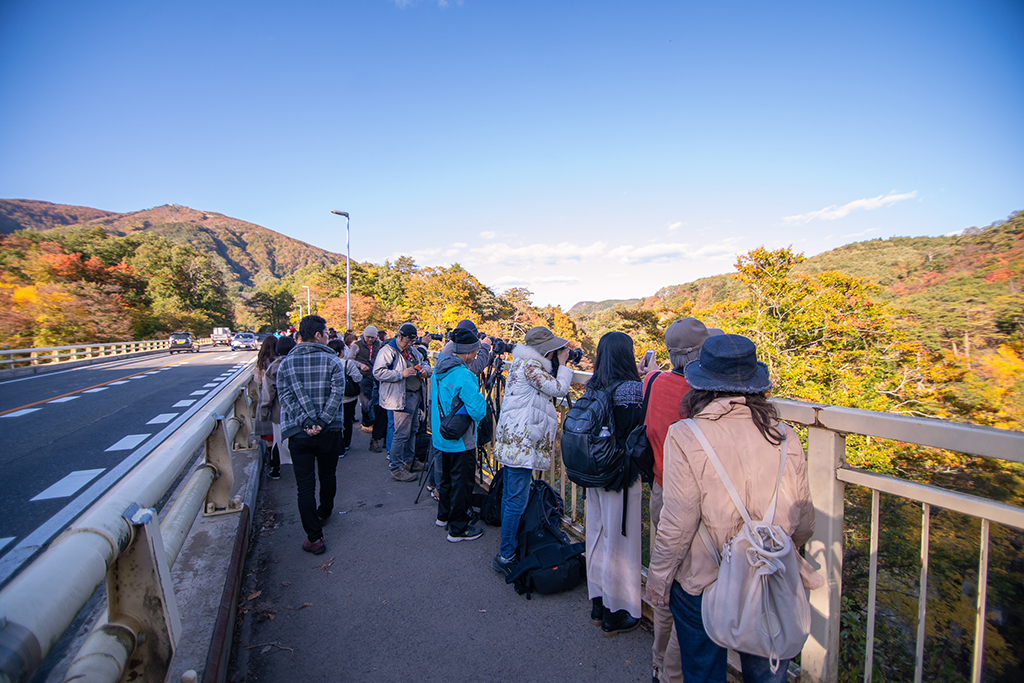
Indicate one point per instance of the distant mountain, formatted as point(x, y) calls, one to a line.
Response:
point(248, 253)
point(27, 214)
point(946, 283)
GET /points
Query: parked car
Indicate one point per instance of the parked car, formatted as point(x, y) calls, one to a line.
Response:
point(221, 335)
point(180, 342)
point(243, 340)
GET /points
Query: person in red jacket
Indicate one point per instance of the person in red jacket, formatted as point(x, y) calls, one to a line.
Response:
point(683, 339)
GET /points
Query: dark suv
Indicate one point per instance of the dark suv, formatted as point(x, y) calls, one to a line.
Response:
point(182, 341)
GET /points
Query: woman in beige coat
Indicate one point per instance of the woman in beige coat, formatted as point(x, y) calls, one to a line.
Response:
point(729, 404)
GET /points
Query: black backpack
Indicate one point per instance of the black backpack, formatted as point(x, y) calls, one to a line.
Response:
point(490, 508)
point(590, 453)
point(548, 562)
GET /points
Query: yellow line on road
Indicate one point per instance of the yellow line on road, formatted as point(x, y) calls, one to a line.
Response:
point(78, 391)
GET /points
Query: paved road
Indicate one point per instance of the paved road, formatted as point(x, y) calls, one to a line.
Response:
point(68, 436)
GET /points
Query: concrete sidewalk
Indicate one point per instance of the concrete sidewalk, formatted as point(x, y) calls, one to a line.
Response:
point(393, 600)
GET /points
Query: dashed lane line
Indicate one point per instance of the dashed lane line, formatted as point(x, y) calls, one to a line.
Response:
point(185, 403)
point(162, 418)
point(81, 391)
point(65, 399)
point(95, 391)
point(199, 392)
point(129, 442)
point(19, 413)
point(69, 485)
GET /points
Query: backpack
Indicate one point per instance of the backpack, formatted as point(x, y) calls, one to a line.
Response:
point(490, 509)
point(758, 604)
point(547, 561)
point(590, 453)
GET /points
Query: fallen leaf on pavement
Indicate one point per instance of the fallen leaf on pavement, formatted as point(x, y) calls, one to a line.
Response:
point(254, 595)
point(306, 604)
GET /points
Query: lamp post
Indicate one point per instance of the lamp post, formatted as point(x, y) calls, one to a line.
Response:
point(348, 289)
point(309, 311)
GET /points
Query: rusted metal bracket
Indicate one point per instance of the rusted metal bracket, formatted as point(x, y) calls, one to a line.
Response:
point(219, 446)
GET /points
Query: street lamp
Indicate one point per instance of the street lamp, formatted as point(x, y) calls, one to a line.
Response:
point(309, 311)
point(348, 289)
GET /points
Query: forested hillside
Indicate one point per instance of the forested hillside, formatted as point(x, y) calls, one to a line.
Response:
point(246, 253)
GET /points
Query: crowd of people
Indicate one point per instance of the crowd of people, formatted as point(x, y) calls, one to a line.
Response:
point(308, 394)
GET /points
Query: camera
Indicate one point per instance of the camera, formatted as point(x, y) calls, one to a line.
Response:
point(575, 356)
point(436, 337)
point(500, 346)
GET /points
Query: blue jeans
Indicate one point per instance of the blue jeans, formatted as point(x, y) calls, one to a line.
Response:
point(406, 423)
point(390, 431)
point(515, 494)
point(704, 661)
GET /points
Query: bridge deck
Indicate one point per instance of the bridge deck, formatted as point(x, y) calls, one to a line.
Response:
point(392, 600)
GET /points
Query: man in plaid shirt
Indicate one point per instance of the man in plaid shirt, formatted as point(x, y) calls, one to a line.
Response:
point(310, 387)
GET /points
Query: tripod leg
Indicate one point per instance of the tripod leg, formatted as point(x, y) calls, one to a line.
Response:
point(423, 474)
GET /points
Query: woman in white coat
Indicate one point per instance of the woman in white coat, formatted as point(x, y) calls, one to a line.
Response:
point(525, 436)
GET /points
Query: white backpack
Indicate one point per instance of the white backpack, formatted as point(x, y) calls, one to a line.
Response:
point(758, 605)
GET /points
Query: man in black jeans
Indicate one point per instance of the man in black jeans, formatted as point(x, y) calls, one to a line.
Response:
point(310, 387)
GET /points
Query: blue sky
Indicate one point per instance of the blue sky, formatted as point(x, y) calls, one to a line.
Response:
point(585, 150)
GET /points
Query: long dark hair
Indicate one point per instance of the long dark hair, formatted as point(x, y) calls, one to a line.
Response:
point(267, 353)
point(763, 413)
point(614, 363)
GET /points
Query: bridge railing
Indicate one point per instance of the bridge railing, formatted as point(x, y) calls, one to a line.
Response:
point(122, 540)
point(47, 355)
point(827, 428)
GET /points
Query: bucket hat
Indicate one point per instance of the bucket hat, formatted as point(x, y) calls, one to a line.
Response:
point(543, 340)
point(728, 362)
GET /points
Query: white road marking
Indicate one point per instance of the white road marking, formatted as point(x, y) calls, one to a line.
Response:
point(211, 385)
point(123, 381)
point(129, 442)
point(19, 413)
point(94, 391)
point(152, 373)
point(69, 485)
point(224, 358)
point(64, 399)
point(162, 418)
point(5, 541)
point(184, 404)
point(200, 392)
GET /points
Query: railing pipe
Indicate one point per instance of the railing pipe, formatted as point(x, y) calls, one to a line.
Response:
point(177, 521)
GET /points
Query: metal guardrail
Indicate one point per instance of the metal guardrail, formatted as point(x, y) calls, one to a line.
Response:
point(61, 354)
point(121, 540)
point(828, 475)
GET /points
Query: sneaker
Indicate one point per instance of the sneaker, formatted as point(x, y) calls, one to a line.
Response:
point(441, 523)
point(618, 622)
point(274, 474)
point(403, 474)
point(502, 566)
point(366, 428)
point(417, 466)
point(374, 446)
point(470, 534)
point(317, 547)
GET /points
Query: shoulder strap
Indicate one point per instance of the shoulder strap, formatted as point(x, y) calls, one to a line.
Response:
point(724, 476)
point(647, 395)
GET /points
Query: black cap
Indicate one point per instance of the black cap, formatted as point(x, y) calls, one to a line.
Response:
point(407, 330)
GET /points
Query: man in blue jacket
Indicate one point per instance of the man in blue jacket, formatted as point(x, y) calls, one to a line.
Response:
point(453, 378)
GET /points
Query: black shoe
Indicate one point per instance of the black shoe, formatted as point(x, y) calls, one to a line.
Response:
point(274, 474)
point(618, 622)
point(470, 534)
point(502, 566)
point(374, 447)
point(596, 611)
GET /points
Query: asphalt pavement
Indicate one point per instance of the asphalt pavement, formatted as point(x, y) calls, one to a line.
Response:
point(69, 435)
point(393, 600)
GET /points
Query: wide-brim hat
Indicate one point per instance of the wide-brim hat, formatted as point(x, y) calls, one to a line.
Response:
point(728, 362)
point(543, 340)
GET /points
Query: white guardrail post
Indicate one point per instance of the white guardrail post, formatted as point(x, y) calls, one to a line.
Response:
point(119, 540)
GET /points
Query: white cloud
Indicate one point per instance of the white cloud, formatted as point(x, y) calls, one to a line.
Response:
point(488, 234)
point(509, 281)
point(535, 254)
point(666, 252)
point(557, 280)
point(676, 226)
point(459, 245)
point(831, 213)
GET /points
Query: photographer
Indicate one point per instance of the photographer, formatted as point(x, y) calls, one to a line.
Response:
point(401, 371)
point(364, 353)
point(483, 355)
point(525, 437)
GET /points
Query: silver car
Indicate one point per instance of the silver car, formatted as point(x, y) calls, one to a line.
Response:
point(243, 340)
